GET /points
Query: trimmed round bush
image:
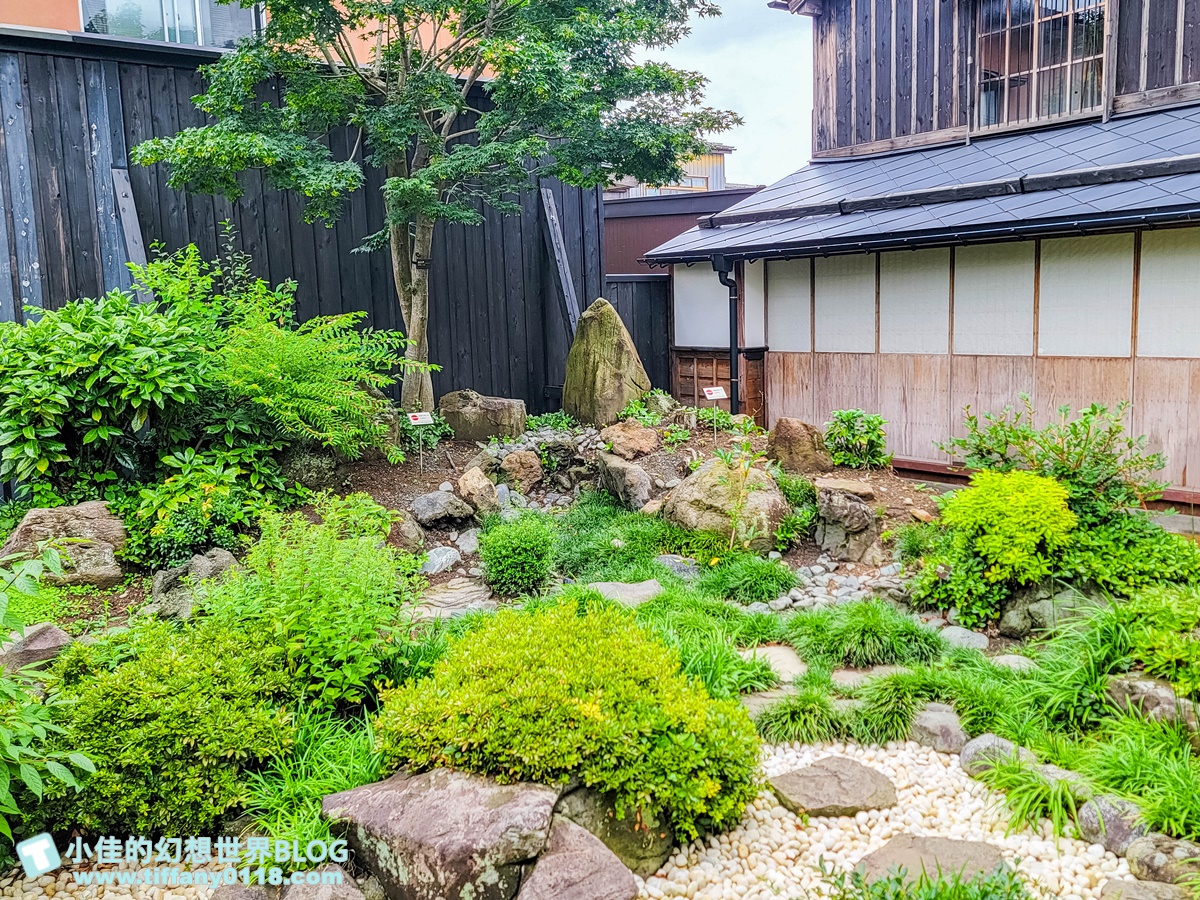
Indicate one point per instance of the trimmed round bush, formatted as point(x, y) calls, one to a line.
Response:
point(517, 555)
point(555, 692)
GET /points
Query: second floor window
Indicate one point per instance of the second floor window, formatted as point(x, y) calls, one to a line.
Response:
point(203, 22)
point(1038, 59)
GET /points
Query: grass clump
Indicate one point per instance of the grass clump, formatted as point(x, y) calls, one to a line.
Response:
point(328, 755)
point(1030, 796)
point(1003, 884)
point(517, 555)
point(863, 634)
point(808, 716)
point(746, 578)
point(558, 692)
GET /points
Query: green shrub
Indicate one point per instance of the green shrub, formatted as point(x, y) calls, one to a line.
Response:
point(1003, 884)
point(1163, 627)
point(559, 421)
point(1129, 552)
point(1104, 469)
point(857, 439)
point(326, 596)
point(916, 540)
point(172, 718)
point(517, 555)
point(549, 694)
point(746, 578)
point(794, 527)
point(796, 489)
point(328, 755)
point(863, 634)
point(1004, 530)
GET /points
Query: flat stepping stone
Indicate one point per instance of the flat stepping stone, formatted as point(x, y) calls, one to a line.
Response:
point(760, 700)
point(834, 786)
point(454, 598)
point(631, 595)
point(1118, 889)
point(849, 485)
point(1014, 661)
point(854, 677)
point(918, 855)
point(784, 660)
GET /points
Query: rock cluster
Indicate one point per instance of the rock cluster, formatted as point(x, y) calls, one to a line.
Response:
point(173, 591)
point(821, 584)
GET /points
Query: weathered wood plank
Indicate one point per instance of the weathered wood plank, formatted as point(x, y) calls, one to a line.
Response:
point(128, 215)
point(46, 158)
point(556, 247)
point(20, 182)
point(112, 240)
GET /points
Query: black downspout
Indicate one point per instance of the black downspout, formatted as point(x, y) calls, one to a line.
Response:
point(723, 267)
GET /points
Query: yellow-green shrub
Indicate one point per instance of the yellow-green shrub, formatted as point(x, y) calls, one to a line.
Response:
point(550, 693)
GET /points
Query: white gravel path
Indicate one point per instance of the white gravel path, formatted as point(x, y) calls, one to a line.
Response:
point(771, 855)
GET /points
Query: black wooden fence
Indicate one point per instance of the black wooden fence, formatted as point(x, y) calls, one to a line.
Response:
point(643, 302)
point(74, 211)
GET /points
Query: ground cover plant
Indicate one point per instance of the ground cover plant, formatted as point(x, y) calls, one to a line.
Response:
point(610, 706)
point(861, 635)
point(1003, 884)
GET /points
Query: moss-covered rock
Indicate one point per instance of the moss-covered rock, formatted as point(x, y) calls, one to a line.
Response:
point(604, 371)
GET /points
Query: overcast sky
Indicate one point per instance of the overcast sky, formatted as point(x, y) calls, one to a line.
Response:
point(758, 62)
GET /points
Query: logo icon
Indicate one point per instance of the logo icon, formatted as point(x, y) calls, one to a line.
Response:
point(38, 855)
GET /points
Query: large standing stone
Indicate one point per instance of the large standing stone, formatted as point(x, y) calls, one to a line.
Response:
point(707, 498)
point(937, 726)
point(90, 536)
point(524, 468)
point(173, 591)
point(932, 855)
point(847, 528)
point(477, 489)
point(577, 866)
point(604, 371)
point(454, 598)
point(626, 481)
point(983, 752)
point(1111, 821)
point(475, 417)
point(438, 506)
point(444, 835)
point(640, 846)
point(1157, 857)
point(799, 447)
point(834, 786)
point(1051, 612)
point(40, 644)
point(629, 439)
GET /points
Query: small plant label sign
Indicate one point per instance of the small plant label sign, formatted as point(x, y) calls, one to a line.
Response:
point(715, 393)
point(421, 418)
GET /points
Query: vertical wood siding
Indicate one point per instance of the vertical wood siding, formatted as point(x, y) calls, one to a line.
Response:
point(71, 112)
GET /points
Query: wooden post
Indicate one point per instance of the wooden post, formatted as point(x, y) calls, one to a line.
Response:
point(557, 248)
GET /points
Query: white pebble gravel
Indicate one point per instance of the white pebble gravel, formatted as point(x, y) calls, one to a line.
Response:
point(772, 855)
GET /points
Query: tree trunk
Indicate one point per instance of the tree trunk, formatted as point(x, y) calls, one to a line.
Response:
point(412, 288)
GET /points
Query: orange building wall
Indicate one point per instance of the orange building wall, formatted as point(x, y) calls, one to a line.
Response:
point(61, 14)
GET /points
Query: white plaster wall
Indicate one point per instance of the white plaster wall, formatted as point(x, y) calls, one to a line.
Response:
point(754, 307)
point(701, 307)
point(1085, 298)
point(789, 305)
point(845, 304)
point(993, 299)
point(1169, 294)
point(914, 301)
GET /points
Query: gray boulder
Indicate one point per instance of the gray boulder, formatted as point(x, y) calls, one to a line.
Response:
point(405, 533)
point(468, 542)
point(626, 481)
point(686, 568)
point(40, 644)
point(631, 595)
point(577, 866)
point(444, 835)
point(937, 726)
point(641, 847)
point(439, 506)
point(1014, 662)
point(834, 786)
point(88, 537)
point(932, 855)
point(1111, 821)
point(475, 417)
point(847, 528)
point(173, 591)
point(479, 491)
point(1157, 857)
point(1115, 889)
point(1152, 698)
point(956, 636)
point(1015, 621)
point(705, 500)
point(982, 753)
point(212, 564)
point(1048, 614)
point(440, 559)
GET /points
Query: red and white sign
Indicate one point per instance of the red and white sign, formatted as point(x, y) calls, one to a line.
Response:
point(715, 393)
point(420, 418)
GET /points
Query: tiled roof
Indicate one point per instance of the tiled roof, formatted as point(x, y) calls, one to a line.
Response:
point(1161, 135)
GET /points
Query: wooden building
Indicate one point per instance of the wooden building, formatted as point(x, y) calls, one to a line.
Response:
point(1002, 198)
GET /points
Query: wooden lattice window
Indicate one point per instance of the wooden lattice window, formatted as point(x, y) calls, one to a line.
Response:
point(1038, 59)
